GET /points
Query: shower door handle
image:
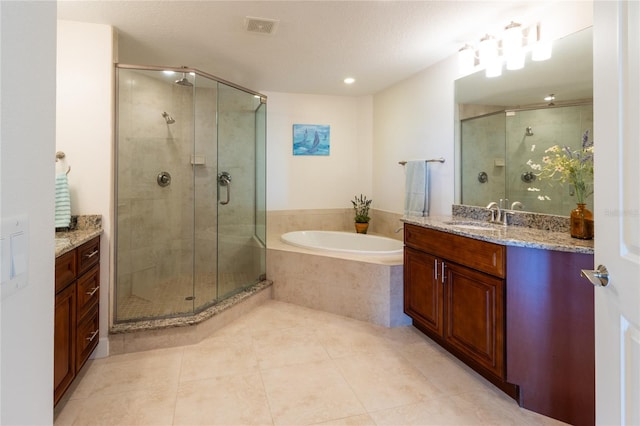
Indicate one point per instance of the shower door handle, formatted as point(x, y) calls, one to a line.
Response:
point(224, 179)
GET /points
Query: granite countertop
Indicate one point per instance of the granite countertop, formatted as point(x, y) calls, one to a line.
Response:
point(86, 228)
point(505, 235)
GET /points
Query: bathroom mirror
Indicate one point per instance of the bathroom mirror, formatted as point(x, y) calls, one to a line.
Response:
point(504, 122)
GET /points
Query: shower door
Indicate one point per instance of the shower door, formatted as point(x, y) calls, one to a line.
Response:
point(240, 260)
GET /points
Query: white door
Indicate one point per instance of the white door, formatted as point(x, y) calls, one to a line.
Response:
point(617, 210)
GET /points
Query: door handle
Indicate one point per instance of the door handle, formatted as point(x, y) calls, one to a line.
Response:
point(224, 179)
point(599, 277)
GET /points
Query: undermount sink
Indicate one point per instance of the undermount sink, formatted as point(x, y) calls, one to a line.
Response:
point(478, 226)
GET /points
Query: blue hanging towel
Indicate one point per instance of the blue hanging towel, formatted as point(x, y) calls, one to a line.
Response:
point(63, 201)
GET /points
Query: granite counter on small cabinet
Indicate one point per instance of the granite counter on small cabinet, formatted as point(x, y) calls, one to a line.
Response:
point(77, 288)
point(511, 304)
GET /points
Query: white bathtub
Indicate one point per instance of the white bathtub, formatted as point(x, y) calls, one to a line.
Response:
point(346, 242)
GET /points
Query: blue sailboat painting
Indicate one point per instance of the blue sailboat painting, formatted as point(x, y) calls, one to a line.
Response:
point(311, 139)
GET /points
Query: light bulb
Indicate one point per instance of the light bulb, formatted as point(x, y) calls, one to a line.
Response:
point(488, 50)
point(494, 69)
point(512, 40)
point(466, 60)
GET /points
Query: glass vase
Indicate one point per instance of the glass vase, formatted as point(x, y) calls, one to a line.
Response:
point(581, 222)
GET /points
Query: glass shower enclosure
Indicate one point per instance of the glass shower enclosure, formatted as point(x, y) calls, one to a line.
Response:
point(190, 191)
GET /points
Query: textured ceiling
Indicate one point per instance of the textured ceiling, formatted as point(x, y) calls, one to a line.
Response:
point(316, 45)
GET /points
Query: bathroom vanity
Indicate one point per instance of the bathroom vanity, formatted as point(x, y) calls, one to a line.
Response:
point(76, 313)
point(510, 303)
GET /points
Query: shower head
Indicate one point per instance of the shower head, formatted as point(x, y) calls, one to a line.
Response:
point(169, 119)
point(528, 131)
point(184, 81)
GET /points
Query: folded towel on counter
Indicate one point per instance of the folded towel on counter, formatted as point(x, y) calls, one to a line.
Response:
point(416, 197)
point(63, 201)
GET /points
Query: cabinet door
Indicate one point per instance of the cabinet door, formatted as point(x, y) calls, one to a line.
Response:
point(64, 340)
point(475, 317)
point(423, 289)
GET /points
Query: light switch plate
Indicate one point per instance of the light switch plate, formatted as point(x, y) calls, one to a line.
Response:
point(14, 254)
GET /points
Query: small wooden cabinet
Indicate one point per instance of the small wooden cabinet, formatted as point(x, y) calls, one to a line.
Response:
point(76, 314)
point(454, 290)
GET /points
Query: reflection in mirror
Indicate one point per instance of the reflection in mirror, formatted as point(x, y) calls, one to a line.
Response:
point(505, 124)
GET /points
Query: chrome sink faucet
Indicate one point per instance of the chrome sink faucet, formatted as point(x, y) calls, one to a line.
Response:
point(496, 213)
point(504, 207)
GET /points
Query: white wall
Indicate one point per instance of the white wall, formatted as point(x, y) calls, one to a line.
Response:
point(84, 132)
point(27, 126)
point(321, 182)
point(414, 120)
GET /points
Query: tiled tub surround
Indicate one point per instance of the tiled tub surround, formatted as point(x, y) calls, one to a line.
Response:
point(368, 288)
point(382, 222)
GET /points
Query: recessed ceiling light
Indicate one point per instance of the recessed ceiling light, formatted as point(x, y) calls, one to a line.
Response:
point(167, 72)
point(349, 80)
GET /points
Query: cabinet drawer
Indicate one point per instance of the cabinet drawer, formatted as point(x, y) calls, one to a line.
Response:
point(88, 291)
point(65, 270)
point(480, 255)
point(88, 254)
point(88, 334)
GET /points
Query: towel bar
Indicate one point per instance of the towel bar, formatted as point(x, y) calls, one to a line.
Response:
point(435, 160)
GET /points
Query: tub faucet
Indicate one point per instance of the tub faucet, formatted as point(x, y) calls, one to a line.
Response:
point(495, 211)
point(399, 229)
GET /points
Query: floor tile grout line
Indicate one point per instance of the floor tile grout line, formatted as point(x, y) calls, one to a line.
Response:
point(175, 397)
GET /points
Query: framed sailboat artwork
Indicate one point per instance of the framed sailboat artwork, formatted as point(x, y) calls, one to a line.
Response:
point(311, 139)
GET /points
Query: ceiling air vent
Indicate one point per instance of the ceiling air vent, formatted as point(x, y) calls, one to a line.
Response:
point(260, 25)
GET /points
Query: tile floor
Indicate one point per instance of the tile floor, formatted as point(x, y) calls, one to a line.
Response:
point(283, 364)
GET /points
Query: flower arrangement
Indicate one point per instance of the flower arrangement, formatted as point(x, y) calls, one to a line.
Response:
point(361, 208)
point(568, 166)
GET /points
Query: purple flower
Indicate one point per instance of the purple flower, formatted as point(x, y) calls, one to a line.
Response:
point(585, 140)
point(568, 151)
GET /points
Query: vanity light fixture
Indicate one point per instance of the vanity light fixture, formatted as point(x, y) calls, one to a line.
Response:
point(511, 49)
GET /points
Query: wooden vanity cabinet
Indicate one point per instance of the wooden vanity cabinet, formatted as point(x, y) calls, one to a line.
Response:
point(454, 291)
point(76, 313)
